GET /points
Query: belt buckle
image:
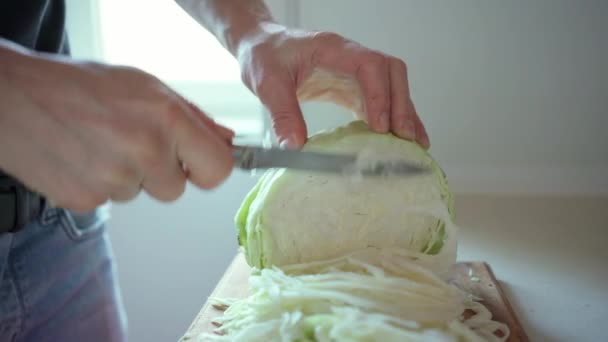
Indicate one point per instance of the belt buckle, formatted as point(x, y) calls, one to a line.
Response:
point(13, 192)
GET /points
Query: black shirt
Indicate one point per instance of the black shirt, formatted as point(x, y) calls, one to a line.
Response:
point(35, 24)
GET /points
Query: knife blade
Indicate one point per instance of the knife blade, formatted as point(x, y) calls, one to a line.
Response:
point(254, 157)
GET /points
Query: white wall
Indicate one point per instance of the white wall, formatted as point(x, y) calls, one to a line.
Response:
point(513, 94)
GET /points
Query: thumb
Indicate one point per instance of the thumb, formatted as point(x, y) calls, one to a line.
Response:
point(287, 119)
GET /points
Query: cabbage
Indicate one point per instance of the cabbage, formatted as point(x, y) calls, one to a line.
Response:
point(351, 258)
point(295, 217)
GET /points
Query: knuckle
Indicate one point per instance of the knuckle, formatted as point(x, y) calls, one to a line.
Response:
point(266, 83)
point(368, 71)
point(150, 158)
point(129, 76)
point(260, 50)
point(378, 102)
point(374, 61)
point(378, 95)
point(146, 147)
point(398, 64)
point(373, 72)
point(172, 114)
point(138, 75)
point(330, 38)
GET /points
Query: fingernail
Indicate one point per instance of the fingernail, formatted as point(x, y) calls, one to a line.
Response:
point(288, 142)
point(426, 143)
point(383, 122)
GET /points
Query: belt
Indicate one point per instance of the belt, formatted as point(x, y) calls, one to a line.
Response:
point(18, 205)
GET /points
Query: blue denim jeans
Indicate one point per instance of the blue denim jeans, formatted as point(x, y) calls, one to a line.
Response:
point(58, 281)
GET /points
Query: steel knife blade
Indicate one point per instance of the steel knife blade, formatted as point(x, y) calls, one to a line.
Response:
point(255, 157)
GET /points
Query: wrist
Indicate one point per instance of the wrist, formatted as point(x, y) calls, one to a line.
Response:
point(232, 22)
point(243, 38)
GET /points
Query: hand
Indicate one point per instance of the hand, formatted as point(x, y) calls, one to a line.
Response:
point(284, 66)
point(85, 133)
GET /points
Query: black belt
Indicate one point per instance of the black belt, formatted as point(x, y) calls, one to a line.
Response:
point(18, 205)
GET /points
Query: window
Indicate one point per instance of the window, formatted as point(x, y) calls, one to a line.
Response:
point(162, 39)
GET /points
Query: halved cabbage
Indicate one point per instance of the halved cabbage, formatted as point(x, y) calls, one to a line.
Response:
point(294, 217)
point(349, 258)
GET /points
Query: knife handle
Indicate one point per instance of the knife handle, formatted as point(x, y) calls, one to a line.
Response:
point(244, 157)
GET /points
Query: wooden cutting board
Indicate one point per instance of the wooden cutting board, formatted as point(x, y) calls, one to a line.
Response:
point(474, 277)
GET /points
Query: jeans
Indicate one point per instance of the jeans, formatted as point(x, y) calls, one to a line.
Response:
point(58, 281)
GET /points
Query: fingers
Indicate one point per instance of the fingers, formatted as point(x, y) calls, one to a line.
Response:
point(120, 180)
point(200, 152)
point(125, 132)
point(166, 181)
point(403, 121)
point(279, 96)
point(421, 135)
point(372, 74)
point(383, 81)
point(225, 132)
point(207, 156)
point(370, 69)
point(195, 148)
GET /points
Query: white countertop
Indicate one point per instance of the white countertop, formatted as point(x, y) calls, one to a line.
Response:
point(549, 254)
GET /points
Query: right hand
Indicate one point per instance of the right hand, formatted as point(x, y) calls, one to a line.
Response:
point(84, 133)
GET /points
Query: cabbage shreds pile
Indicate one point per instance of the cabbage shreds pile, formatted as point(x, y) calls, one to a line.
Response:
point(348, 258)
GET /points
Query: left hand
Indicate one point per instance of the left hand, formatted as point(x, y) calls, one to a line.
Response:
point(283, 66)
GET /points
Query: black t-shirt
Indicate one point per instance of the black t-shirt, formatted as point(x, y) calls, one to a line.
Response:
point(35, 24)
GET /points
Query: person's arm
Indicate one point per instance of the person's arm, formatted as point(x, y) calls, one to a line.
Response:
point(230, 21)
point(283, 66)
point(83, 133)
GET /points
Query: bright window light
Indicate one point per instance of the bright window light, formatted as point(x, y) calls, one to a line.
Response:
point(161, 38)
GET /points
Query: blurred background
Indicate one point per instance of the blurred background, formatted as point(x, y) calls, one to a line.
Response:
point(513, 94)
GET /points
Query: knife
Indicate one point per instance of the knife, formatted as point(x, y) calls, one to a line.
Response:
point(254, 157)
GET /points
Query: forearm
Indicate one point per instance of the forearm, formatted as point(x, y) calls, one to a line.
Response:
point(231, 21)
point(11, 58)
point(14, 57)
point(9, 52)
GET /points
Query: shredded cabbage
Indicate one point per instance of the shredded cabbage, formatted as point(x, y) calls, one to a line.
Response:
point(350, 299)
